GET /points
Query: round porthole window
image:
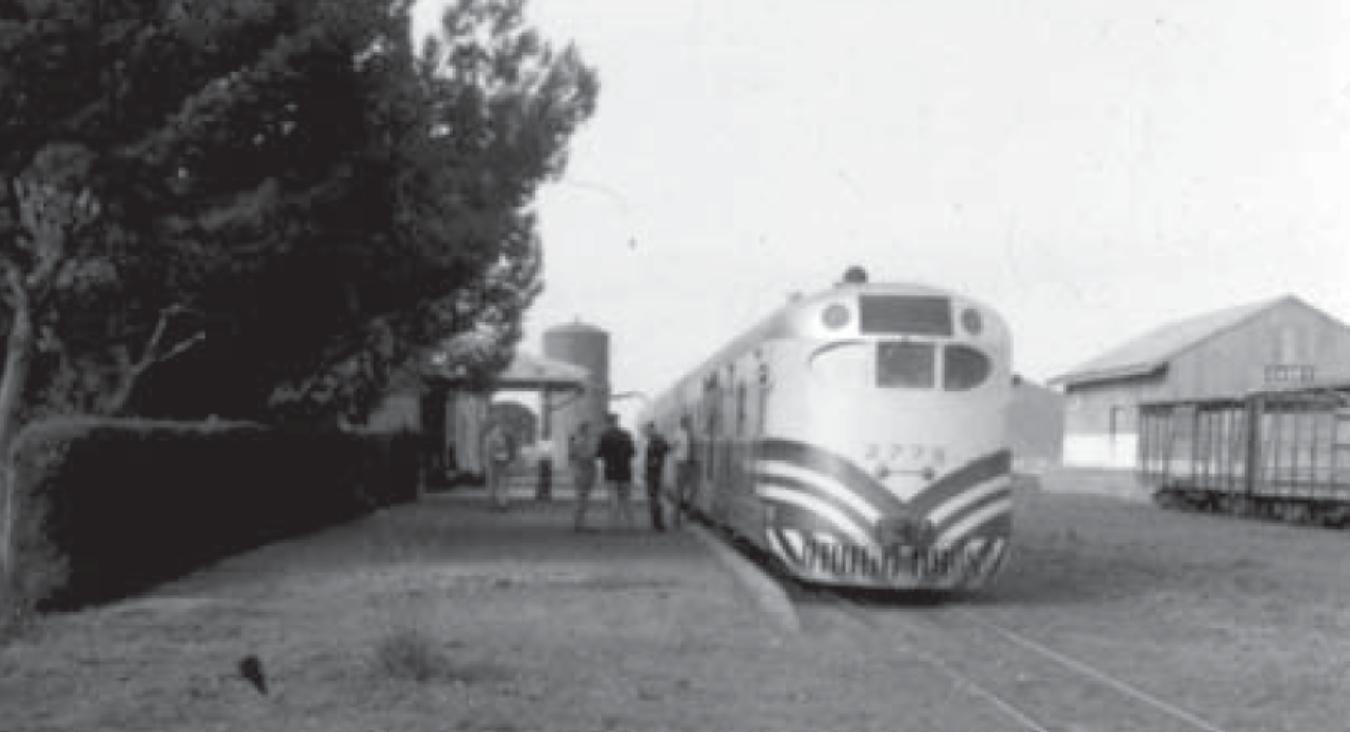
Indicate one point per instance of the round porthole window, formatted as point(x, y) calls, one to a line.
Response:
point(972, 322)
point(835, 316)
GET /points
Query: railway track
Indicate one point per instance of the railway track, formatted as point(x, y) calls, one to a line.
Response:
point(1030, 685)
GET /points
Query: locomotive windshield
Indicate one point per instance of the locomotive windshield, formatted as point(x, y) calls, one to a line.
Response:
point(963, 368)
point(905, 315)
point(914, 366)
point(908, 365)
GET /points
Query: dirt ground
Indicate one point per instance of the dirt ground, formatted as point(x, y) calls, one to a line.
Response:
point(496, 621)
point(1245, 622)
point(446, 616)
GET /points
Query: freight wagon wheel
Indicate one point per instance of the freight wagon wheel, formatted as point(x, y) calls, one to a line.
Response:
point(1336, 517)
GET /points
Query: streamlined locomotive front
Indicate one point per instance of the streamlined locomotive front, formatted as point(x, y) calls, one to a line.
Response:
point(884, 460)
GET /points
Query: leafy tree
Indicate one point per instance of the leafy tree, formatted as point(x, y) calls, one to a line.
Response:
point(257, 208)
point(453, 155)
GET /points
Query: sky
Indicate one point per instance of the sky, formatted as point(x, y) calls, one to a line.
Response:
point(1088, 168)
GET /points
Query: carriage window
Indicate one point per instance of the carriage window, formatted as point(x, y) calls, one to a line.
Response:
point(909, 314)
point(908, 365)
point(963, 368)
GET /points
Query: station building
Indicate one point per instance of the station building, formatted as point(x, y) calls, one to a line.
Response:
point(540, 399)
point(1274, 343)
point(450, 415)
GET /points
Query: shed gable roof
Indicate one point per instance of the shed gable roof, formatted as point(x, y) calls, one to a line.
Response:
point(1151, 352)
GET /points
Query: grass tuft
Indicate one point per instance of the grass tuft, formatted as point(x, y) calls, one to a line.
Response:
point(412, 654)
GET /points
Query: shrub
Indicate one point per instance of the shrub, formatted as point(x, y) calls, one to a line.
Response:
point(108, 507)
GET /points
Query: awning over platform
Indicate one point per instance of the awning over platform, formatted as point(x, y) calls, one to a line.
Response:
point(530, 372)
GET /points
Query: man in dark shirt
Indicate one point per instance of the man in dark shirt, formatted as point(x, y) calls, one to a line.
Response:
point(655, 463)
point(616, 452)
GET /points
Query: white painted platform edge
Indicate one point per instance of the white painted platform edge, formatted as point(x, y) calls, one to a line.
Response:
point(767, 593)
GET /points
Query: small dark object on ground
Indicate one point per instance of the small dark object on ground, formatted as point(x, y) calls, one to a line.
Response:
point(251, 669)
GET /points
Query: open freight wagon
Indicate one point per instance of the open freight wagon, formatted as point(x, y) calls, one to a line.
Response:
point(1281, 454)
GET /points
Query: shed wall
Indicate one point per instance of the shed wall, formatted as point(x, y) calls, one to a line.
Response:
point(1100, 421)
point(1287, 344)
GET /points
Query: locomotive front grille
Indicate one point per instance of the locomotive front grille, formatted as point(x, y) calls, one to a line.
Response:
point(900, 564)
point(836, 558)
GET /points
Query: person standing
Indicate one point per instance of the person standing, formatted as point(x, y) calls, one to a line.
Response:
point(497, 450)
point(682, 452)
point(616, 453)
point(581, 459)
point(654, 463)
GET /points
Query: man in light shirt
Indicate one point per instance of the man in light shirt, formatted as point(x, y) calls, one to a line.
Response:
point(682, 453)
point(581, 458)
point(498, 452)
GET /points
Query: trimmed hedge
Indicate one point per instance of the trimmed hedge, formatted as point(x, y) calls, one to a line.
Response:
point(109, 507)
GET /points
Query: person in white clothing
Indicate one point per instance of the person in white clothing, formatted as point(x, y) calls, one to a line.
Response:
point(686, 470)
point(497, 455)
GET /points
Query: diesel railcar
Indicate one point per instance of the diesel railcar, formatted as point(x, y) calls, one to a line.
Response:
point(1282, 454)
point(858, 435)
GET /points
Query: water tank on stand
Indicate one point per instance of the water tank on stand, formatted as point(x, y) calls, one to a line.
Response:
point(588, 347)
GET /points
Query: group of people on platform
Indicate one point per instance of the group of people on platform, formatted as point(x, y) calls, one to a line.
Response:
point(607, 457)
point(614, 450)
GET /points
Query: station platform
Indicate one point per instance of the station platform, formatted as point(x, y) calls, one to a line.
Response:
point(523, 484)
point(449, 614)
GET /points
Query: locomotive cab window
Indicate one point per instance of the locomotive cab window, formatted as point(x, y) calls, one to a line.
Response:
point(906, 365)
point(963, 368)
